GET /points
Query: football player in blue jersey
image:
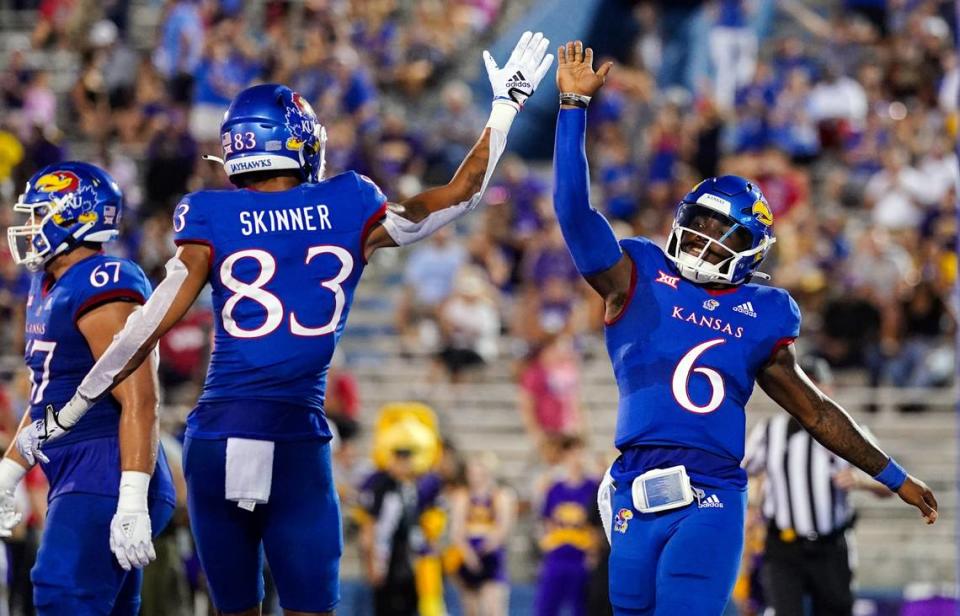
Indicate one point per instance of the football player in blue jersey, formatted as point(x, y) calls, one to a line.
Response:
point(688, 335)
point(283, 254)
point(110, 486)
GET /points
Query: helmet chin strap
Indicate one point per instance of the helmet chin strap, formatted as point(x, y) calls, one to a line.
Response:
point(213, 158)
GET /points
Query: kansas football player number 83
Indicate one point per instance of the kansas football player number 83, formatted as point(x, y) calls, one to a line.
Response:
point(255, 291)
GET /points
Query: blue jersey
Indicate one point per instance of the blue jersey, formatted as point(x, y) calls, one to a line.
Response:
point(686, 358)
point(284, 267)
point(86, 459)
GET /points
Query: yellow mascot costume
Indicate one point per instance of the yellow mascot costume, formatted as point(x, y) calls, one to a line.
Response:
point(413, 426)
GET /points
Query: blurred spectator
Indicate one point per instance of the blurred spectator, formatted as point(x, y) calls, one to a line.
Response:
point(42, 147)
point(619, 177)
point(523, 192)
point(550, 392)
point(226, 68)
point(428, 281)
point(469, 325)
point(398, 161)
point(792, 125)
point(171, 157)
point(454, 131)
point(482, 516)
point(390, 535)
point(119, 61)
point(548, 301)
point(53, 22)
point(567, 539)
point(733, 49)
point(785, 187)
point(39, 101)
point(680, 30)
point(11, 155)
point(850, 332)
point(14, 79)
point(179, 49)
point(893, 193)
point(922, 357)
point(342, 401)
point(185, 349)
point(14, 286)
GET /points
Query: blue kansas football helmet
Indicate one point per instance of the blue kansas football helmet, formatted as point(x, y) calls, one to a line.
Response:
point(66, 203)
point(722, 231)
point(270, 127)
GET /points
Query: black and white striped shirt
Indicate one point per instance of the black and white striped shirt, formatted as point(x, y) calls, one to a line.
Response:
point(798, 493)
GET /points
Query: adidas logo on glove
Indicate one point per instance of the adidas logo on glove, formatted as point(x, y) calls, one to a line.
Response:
point(518, 81)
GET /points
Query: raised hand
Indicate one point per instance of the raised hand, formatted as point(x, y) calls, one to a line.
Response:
point(575, 72)
point(523, 72)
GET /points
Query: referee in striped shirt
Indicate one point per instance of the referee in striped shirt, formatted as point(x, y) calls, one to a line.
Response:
point(807, 512)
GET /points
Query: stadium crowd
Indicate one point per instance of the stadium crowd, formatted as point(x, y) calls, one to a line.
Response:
point(846, 120)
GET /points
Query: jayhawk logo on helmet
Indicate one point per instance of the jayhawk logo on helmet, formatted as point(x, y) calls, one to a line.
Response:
point(300, 127)
point(64, 205)
point(57, 182)
point(279, 131)
point(762, 211)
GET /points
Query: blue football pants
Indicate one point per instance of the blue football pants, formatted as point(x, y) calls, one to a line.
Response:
point(682, 561)
point(76, 574)
point(299, 529)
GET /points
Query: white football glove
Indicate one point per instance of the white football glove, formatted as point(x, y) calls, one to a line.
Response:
point(523, 72)
point(33, 436)
point(131, 535)
point(10, 475)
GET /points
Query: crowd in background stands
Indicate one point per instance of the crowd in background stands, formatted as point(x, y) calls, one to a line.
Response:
point(845, 118)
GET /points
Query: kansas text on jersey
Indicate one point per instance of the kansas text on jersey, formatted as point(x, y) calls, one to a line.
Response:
point(685, 358)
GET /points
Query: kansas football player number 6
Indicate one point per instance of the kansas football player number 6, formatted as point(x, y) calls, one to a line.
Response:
point(271, 303)
point(681, 376)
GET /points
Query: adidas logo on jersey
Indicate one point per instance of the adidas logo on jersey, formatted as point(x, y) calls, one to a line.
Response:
point(747, 309)
point(710, 502)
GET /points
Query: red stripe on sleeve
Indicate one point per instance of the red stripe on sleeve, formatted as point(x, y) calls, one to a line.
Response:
point(207, 243)
point(368, 227)
point(116, 295)
point(630, 293)
point(782, 343)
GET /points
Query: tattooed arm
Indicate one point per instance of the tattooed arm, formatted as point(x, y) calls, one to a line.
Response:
point(419, 216)
point(459, 195)
point(785, 382)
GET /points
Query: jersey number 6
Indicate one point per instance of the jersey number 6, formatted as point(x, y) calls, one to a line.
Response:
point(271, 303)
point(681, 378)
